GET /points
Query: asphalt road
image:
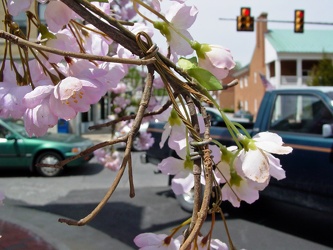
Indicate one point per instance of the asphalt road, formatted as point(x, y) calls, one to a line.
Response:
point(40, 201)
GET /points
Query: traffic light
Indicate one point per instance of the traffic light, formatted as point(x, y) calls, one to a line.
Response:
point(299, 21)
point(245, 22)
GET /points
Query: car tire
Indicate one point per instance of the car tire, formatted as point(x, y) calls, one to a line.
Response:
point(186, 201)
point(48, 158)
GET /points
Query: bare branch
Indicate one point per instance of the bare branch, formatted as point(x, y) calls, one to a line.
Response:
point(21, 42)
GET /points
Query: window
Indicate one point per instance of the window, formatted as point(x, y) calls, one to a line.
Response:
point(245, 82)
point(300, 113)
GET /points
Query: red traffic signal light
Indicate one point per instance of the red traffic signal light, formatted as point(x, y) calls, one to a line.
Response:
point(245, 22)
point(299, 21)
point(245, 12)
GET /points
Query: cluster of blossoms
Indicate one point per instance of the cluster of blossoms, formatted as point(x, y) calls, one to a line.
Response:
point(241, 172)
point(147, 241)
point(73, 85)
point(111, 160)
point(52, 87)
point(61, 91)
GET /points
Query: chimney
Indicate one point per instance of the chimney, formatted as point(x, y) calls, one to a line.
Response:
point(261, 29)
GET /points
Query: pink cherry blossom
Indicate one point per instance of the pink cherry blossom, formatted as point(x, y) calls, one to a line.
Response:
point(144, 141)
point(119, 89)
point(244, 190)
point(121, 102)
point(94, 43)
point(91, 72)
point(110, 160)
point(113, 161)
point(11, 92)
point(139, 27)
point(64, 41)
point(36, 72)
point(15, 7)
point(174, 130)
point(181, 18)
point(105, 7)
point(57, 15)
point(216, 59)
point(158, 83)
point(114, 72)
point(38, 117)
point(100, 154)
point(11, 99)
point(236, 187)
point(74, 95)
point(183, 179)
point(150, 241)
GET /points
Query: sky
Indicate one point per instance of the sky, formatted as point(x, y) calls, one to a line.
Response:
point(209, 29)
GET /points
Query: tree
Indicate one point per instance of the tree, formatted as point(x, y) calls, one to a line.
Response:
point(86, 49)
point(322, 73)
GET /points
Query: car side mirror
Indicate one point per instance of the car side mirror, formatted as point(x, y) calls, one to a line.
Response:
point(327, 130)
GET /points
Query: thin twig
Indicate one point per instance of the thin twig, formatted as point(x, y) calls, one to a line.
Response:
point(84, 153)
point(131, 117)
point(127, 160)
point(21, 42)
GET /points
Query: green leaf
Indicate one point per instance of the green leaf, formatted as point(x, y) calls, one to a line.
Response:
point(205, 78)
point(187, 64)
point(46, 34)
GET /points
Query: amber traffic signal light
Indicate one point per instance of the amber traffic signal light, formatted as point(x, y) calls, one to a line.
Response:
point(299, 21)
point(245, 22)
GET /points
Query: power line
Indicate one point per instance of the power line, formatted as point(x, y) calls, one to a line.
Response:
point(277, 21)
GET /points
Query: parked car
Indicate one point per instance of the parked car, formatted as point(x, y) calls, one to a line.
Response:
point(303, 117)
point(18, 150)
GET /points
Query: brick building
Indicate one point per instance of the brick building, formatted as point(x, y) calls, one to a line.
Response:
point(284, 57)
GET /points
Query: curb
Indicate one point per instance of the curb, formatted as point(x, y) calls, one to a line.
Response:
point(41, 225)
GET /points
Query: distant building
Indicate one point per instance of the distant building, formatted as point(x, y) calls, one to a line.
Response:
point(284, 57)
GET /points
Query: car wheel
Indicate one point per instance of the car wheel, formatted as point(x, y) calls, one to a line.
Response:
point(186, 201)
point(48, 158)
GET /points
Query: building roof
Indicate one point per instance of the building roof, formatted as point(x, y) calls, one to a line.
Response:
point(311, 41)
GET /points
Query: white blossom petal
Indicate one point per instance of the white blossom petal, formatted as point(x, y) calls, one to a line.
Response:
point(275, 169)
point(182, 183)
point(255, 166)
point(171, 165)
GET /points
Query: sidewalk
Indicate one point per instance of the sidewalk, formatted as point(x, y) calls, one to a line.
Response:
point(99, 135)
point(24, 228)
point(14, 236)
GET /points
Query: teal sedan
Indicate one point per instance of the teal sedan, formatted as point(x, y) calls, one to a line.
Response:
point(18, 150)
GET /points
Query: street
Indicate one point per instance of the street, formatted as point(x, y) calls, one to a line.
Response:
point(38, 202)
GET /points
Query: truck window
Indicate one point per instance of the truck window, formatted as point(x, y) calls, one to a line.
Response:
point(300, 113)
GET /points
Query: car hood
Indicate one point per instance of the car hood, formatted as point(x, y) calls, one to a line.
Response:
point(65, 138)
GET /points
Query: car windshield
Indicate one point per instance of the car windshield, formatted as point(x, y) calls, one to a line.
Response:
point(18, 126)
point(330, 95)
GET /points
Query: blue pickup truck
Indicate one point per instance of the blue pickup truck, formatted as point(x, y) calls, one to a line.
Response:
point(303, 117)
